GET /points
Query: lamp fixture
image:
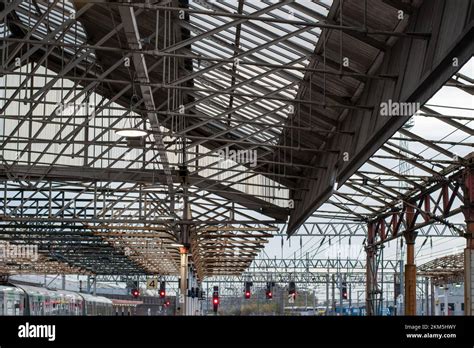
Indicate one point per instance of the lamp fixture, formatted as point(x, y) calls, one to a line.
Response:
point(132, 131)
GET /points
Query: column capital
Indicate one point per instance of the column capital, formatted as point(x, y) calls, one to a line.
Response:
point(410, 237)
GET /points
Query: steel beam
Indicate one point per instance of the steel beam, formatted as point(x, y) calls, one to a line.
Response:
point(408, 62)
point(468, 210)
point(133, 38)
point(149, 176)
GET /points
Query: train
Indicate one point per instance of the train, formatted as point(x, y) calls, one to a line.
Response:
point(28, 300)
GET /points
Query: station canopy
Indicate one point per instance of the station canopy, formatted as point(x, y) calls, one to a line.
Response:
point(237, 102)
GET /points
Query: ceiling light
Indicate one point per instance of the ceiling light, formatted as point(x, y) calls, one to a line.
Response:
point(131, 132)
point(131, 129)
point(176, 245)
point(155, 188)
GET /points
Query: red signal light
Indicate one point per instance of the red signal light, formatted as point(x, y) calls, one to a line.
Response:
point(162, 293)
point(344, 290)
point(215, 303)
point(247, 294)
point(135, 293)
point(215, 299)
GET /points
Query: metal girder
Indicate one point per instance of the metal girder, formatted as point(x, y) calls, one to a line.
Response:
point(12, 5)
point(262, 277)
point(133, 37)
point(298, 277)
point(242, 106)
point(311, 264)
point(444, 270)
point(433, 204)
point(225, 26)
point(223, 252)
point(140, 176)
point(411, 86)
point(341, 229)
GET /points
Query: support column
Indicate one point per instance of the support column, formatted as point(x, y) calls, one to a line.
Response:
point(333, 297)
point(427, 296)
point(340, 293)
point(446, 302)
point(185, 241)
point(468, 210)
point(327, 294)
point(314, 301)
point(183, 273)
point(350, 295)
point(468, 276)
point(371, 283)
point(410, 276)
point(371, 288)
point(88, 284)
point(432, 298)
point(410, 266)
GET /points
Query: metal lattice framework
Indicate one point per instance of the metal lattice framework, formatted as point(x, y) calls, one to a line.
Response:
point(205, 80)
point(393, 203)
point(360, 229)
point(443, 270)
point(312, 264)
point(259, 273)
point(86, 195)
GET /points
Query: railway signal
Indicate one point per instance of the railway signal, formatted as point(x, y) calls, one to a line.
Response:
point(344, 290)
point(162, 289)
point(268, 291)
point(247, 292)
point(215, 299)
point(135, 293)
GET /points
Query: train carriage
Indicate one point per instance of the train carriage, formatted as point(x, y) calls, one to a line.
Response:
point(20, 299)
point(40, 301)
point(97, 305)
point(12, 300)
point(70, 303)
